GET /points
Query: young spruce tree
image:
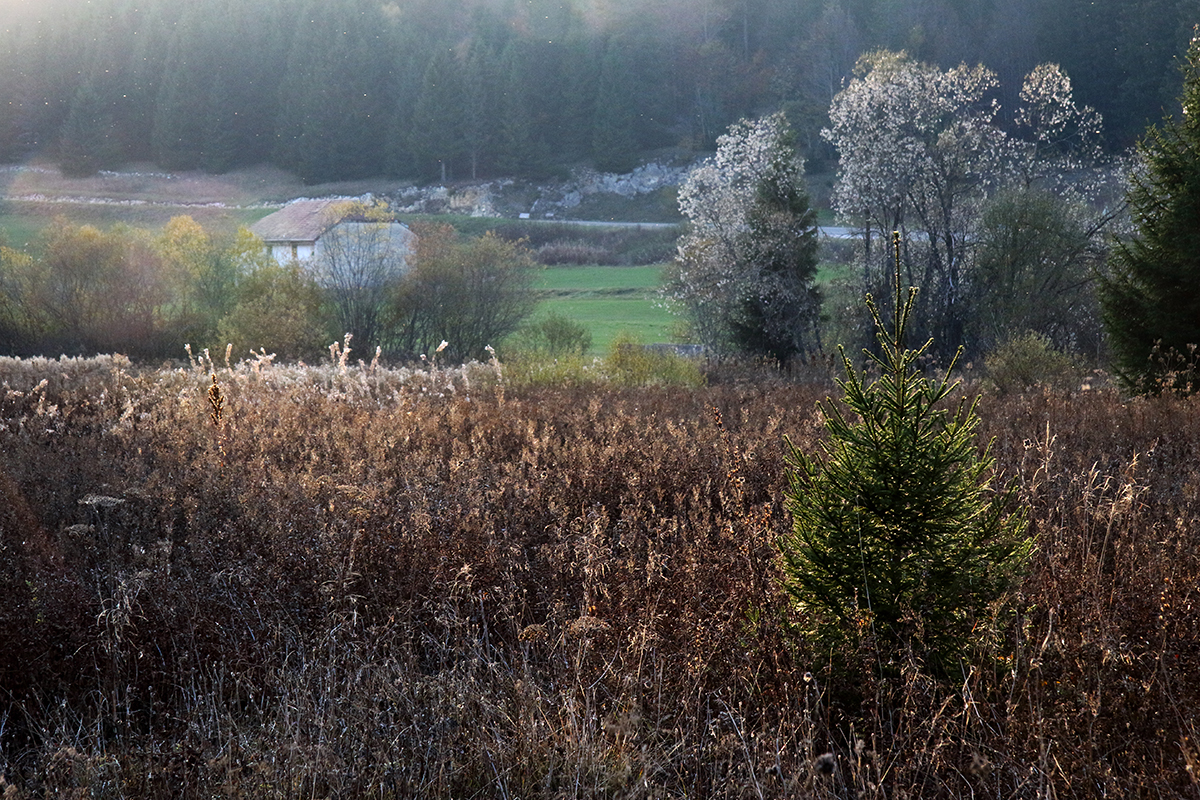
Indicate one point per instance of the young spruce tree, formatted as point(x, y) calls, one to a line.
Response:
point(899, 534)
point(1150, 297)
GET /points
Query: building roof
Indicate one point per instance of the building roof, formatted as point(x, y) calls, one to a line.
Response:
point(298, 221)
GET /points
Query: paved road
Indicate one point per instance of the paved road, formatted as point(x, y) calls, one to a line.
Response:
point(832, 231)
point(835, 232)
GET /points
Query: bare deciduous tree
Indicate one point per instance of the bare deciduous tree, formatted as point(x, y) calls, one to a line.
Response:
point(358, 261)
point(922, 152)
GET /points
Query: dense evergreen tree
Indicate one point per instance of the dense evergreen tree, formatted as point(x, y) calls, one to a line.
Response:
point(330, 90)
point(1121, 56)
point(302, 94)
point(580, 82)
point(903, 540)
point(479, 107)
point(1151, 297)
point(181, 109)
point(89, 137)
point(519, 150)
point(439, 123)
point(614, 146)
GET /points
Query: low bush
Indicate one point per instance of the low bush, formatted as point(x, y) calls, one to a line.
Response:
point(552, 336)
point(571, 251)
point(1030, 360)
point(630, 363)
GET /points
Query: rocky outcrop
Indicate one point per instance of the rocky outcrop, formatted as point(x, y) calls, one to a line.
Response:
point(509, 198)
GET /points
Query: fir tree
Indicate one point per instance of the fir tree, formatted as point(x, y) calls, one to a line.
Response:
point(89, 137)
point(479, 94)
point(520, 152)
point(1151, 296)
point(220, 145)
point(614, 146)
point(899, 536)
point(438, 129)
point(176, 138)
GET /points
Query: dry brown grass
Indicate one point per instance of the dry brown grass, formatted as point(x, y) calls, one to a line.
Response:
point(147, 183)
point(33, 195)
point(363, 582)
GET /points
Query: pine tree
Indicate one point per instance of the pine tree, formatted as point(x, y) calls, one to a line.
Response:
point(479, 94)
point(899, 535)
point(438, 125)
point(89, 139)
point(519, 151)
point(1150, 298)
point(614, 146)
point(176, 138)
point(219, 129)
point(580, 80)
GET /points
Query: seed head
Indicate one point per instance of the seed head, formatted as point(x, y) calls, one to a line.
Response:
point(216, 402)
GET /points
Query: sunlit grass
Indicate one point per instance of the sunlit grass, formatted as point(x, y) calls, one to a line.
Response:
point(594, 279)
point(376, 581)
point(609, 302)
point(21, 222)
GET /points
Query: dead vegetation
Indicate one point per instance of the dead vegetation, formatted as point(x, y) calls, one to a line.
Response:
point(348, 581)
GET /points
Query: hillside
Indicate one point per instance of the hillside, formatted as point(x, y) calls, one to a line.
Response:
point(452, 90)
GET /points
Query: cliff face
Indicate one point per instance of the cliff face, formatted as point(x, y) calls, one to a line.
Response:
point(562, 199)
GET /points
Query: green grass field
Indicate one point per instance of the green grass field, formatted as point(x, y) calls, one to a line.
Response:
point(616, 301)
point(22, 222)
point(18, 230)
point(608, 301)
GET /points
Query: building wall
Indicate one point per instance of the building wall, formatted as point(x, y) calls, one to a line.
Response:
point(285, 253)
point(395, 236)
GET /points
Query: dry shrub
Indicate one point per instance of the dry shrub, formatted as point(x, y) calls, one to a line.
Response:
point(369, 582)
point(571, 251)
point(1028, 361)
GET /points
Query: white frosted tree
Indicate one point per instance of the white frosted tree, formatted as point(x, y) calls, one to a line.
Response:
point(1058, 134)
point(922, 151)
point(919, 148)
point(744, 270)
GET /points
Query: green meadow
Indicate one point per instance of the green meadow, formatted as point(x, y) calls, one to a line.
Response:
point(609, 301)
point(22, 222)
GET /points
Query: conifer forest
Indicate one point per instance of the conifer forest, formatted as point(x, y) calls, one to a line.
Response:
point(462, 89)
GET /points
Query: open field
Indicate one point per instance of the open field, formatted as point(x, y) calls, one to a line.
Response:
point(616, 301)
point(32, 195)
point(21, 222)
point(142, 196)
point(383, 583)
point(609, 301)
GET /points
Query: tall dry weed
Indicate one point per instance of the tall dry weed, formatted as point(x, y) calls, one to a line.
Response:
point(400, 586)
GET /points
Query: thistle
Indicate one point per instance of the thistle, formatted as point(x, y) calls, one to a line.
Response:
point(216, 403)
